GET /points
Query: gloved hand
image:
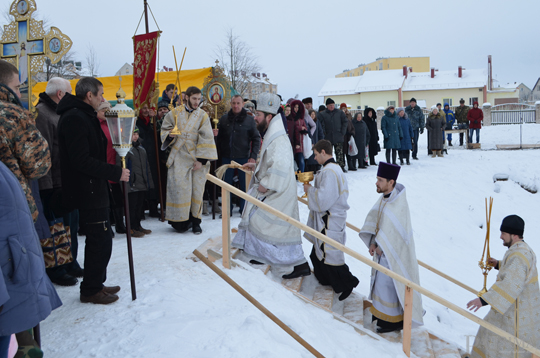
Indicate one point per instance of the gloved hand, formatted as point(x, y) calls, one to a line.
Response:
point(303, 131)
point(475, 121)
point(422, 131)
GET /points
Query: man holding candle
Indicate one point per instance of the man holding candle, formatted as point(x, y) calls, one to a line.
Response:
point(514, 297)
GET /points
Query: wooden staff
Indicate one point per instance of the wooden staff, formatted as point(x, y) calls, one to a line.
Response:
point(257, 304)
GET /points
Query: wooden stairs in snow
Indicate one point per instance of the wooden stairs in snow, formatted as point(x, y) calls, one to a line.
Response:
point(353, 311)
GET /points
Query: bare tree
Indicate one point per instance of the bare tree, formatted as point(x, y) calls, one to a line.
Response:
point(92, 61)
point(65, 68)
point(238, 61)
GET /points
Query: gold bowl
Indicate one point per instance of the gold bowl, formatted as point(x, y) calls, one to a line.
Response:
point(305, 178)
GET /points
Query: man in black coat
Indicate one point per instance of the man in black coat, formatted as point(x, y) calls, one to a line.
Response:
point(85, 174)
point(334, 123)
point(237, 139)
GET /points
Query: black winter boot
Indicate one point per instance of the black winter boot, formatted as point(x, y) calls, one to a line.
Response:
point(299, 271)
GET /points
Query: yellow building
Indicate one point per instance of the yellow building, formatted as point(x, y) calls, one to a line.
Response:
point(418, 64)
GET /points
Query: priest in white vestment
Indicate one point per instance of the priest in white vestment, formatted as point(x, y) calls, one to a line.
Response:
point(327, 202)
point(188, 162)
point(388, 233)
point(514, 298)
point(264, 237)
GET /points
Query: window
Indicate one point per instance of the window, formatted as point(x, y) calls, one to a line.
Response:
point(391, 103)
point(447, 100)
point(472, 100)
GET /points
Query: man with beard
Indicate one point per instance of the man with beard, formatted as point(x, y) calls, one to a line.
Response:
point(513, 297)
point(388, 233)
point(264, 237)
point(188, 162)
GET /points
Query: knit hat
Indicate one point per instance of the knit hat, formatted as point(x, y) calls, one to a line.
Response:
point(136, 130)
point(329, 101)
point(162, 104)
point(307, 100)
point(412, 100)
point(400, 109)
point(388, 171)
point(462, 101)
point(513, 224)
point(343, 105)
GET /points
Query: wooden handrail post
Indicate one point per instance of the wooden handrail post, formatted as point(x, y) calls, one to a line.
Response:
point(226, 227)
point(407, 320)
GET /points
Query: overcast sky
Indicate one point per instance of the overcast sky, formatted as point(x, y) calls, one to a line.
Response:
point(300, 44)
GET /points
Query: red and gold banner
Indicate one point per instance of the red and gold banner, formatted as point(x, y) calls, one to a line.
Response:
point(144, 70)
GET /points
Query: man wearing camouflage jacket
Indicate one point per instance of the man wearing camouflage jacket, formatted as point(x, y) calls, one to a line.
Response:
point(22, 147)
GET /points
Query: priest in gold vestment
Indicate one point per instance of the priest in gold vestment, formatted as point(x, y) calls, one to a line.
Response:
point(188, 162)
point(514, 298)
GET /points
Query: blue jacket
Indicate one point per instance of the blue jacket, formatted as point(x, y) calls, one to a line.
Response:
point(407, 133)
point(416, 116)
point(392, 131)
point(26, 292)
point(450, 117)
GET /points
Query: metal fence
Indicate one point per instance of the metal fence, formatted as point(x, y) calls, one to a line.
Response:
point(512, 113)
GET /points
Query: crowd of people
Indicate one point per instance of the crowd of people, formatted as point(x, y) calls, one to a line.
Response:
point(61, 177)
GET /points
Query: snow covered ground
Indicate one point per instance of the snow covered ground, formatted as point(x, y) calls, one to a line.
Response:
point(183, 309)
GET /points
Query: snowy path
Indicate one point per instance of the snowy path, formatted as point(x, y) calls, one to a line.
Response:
point(185, 310)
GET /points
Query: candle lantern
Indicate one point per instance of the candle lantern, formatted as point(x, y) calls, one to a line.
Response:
point(121, 122)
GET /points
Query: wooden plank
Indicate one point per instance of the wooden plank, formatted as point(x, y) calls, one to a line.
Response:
point(421, 344)
point(353, 309)
point(443, 349)
point(214, 256)
point(294, 285)
point(203, 248)
point(226, 227)
point(407, 321)
point(324, 296)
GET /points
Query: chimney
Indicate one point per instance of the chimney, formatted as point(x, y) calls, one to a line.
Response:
point(410, 69)
point(490, 73)
point(405, 71)
point(460, 71)
point(432, 72)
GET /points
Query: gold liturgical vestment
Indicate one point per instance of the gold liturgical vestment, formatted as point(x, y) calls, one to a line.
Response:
point(185, 187)
point(515, 306)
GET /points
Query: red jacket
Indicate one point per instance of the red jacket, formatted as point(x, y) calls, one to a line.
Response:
point(296, 126)
point(475, 117)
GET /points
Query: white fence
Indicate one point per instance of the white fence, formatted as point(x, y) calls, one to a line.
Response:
point(513, 114)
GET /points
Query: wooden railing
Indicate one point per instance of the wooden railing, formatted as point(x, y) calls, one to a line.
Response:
point(227, 189)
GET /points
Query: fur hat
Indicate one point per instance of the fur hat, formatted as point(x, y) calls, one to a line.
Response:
point(307, 100)
point(513, 224)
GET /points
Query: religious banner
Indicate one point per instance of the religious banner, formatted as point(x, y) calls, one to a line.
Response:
point(145, 88)
point(26, 45)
